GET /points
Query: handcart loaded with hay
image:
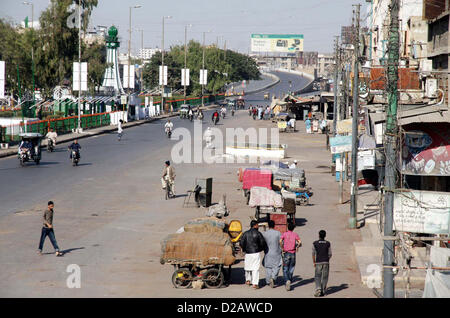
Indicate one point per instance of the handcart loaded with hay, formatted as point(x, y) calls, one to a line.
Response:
point(199, 252)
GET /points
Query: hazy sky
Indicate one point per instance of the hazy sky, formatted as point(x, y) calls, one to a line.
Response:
point(231, 20)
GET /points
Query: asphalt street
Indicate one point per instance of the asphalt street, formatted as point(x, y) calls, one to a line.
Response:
point(110, 216)
point(101, 155)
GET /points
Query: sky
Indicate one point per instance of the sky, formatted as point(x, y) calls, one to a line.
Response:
point(232, 21)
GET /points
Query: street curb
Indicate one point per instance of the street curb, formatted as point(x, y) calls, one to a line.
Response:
point(267, 86)
point(106, 129)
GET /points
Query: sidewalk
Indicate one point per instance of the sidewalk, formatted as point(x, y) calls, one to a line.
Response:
point(369, 251)
point(12, 151)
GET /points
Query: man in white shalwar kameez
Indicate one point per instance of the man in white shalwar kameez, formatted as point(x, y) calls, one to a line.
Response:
point(252, 244)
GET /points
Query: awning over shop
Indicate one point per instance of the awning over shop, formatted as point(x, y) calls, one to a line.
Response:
point(426, 114)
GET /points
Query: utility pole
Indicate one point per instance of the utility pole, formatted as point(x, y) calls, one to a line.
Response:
point(355, 119)
point(142, 60)
point(79, 67)
point(203, 66)
point(185, 59)
point(336, 71)
point(391, 149)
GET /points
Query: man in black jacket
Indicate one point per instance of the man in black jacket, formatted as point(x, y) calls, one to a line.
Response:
point(252, 244)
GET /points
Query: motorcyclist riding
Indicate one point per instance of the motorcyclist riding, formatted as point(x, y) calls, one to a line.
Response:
point(223, 111)
point(168, 127)
point(75, 146)
point(190, 114)
point(200, 115)
point(51, 137)
point(215, 117)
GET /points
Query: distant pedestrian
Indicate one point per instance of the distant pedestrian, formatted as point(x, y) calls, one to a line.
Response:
point(308, 126)
point(252, 244)
point(290, 242)
point(272, 260)
point(119, 130)
point(321, 254)
point(47, 230)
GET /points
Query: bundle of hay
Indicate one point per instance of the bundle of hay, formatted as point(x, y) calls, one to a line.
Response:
point(194, 247)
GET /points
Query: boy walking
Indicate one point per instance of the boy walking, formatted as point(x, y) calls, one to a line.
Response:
point(47, 230)
point(290, 242)
point(321, 254)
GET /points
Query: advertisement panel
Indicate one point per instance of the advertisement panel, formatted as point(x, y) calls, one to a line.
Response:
point(422, 212)
point(340, 144)
point(426, 150)
point(280, 43)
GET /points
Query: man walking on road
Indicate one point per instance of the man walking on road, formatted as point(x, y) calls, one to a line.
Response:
point(290, 242)
point(252, 243)
point(47, 230)
point(272, 260)
point(119, 130)
point(321, 254)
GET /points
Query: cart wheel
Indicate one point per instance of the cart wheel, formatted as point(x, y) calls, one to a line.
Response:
point(182, 278)
point(213, 278)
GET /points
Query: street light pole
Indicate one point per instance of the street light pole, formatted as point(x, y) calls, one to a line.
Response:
point(162, 62)
point(129, 55)
point(203, 65)
point(185, 59)
point(32, 51)
point(79, 67)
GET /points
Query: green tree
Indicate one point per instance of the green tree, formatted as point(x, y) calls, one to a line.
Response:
point(223, 67)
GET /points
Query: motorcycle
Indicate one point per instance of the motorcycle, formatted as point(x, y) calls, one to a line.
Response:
point(24, 156)
point(75, 157)
point(50, 145)
point(216, 120)
point(168, 132)
point(191, 117)
point(200, 116)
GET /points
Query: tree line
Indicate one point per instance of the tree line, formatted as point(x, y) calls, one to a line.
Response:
point(55, 48)
point(224, 66)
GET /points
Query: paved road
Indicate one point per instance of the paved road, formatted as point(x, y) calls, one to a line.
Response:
point(110, 217)
point(101, 155)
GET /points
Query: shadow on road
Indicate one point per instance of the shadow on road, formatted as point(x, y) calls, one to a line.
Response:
point(68, 251)
point(335, 289)
point(301, 282)
point(84, 164)
point(300, 221)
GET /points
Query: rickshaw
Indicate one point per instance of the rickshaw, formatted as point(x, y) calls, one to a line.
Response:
point(33, 153)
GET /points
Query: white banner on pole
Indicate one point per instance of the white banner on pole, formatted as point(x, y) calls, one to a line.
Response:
point(162, 76)
point(2, 79)
point(203, 77)
point(185, 76)
point(76, 76)
point(128, 83)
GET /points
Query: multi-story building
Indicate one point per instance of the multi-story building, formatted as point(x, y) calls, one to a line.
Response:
point(325, 66)
point(147, 53)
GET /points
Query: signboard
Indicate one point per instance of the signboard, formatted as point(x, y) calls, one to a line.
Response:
point(340, 144)
point(76, 76)
point(2, 79)
point(422, 212)
point(163, 75)
point(126, 83)
point(426, 150)
point(281, 43)
point(185, 76)
point(203, 77)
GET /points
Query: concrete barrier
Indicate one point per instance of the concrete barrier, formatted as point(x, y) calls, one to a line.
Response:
point(259, 151)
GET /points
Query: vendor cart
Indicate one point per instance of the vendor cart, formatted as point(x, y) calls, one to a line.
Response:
point(187, 272)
